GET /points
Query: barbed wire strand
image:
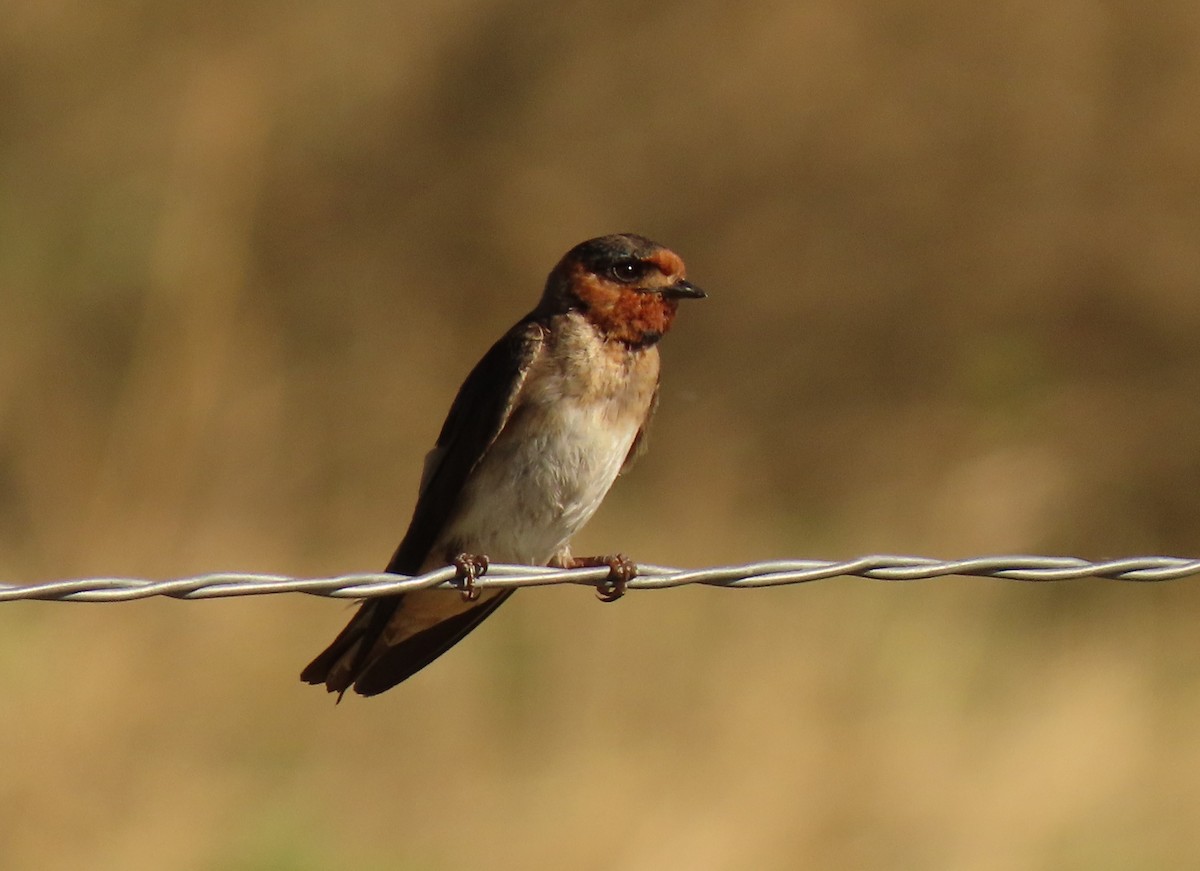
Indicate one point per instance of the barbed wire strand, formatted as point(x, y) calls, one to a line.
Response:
point(650, 577)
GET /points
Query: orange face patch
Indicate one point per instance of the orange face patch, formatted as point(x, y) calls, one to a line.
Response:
point(668, 262)
point(641, 318)
point(621, 312)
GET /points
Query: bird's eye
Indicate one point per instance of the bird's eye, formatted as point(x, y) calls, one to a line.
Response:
point(628, 271)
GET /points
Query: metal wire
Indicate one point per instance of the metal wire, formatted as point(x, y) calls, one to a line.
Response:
point(650, 577)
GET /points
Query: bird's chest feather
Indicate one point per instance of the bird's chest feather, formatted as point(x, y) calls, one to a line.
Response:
point(558, 454)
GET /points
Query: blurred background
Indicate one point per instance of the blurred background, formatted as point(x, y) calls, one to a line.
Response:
point(249, 250)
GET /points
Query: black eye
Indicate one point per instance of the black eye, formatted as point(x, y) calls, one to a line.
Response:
point(628, 271)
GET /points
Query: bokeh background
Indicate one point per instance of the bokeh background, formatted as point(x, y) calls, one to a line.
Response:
point(249, 250)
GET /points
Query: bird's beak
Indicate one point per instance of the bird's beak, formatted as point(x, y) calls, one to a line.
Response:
point(683, 290)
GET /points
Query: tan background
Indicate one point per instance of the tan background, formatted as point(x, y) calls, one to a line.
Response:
point(249, 250)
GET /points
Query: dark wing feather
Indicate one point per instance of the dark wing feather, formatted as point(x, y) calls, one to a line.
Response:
point(478, 414)
point(639, 441)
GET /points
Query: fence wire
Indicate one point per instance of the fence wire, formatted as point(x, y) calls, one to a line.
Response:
point(649, 577)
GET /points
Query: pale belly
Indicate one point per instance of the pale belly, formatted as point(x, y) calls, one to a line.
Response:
point(541, 482)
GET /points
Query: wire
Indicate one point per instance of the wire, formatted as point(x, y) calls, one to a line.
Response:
point(649, 577)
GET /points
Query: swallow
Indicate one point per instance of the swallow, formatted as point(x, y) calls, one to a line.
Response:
point(538, 432)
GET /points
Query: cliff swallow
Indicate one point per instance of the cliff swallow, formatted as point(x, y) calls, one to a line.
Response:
point(534, 439)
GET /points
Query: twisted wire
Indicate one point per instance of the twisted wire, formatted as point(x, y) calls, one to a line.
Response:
point(649, 577)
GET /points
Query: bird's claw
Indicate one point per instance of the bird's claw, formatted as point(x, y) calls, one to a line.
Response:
point(470, 567)
point(621, 570)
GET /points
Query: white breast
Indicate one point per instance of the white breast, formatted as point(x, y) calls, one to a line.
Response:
point(542, 480)
point(547, 472)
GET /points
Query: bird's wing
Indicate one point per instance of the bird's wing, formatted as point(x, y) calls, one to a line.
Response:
point(639, 441)
point(479, 412)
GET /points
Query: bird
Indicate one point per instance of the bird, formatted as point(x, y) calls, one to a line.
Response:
point(537, 434)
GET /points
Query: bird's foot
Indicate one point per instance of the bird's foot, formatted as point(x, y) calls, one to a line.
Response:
point(470, 567)
point(621, 570)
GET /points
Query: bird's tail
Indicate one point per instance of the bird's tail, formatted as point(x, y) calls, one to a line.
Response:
point(339, 665)
point(359, 658)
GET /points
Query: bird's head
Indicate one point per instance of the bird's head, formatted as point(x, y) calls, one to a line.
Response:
point(627, 286)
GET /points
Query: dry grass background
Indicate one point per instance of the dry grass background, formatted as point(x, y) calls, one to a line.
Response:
point(249, 250)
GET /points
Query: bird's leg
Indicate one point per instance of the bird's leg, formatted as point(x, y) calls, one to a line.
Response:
point(621, 570)
point(470, 566)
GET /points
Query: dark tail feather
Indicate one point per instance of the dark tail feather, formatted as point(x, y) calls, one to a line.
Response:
point(412, 654)
point(342, 661)
point(352, 659)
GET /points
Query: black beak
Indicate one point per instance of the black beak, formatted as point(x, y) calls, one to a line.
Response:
point(683, 290)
